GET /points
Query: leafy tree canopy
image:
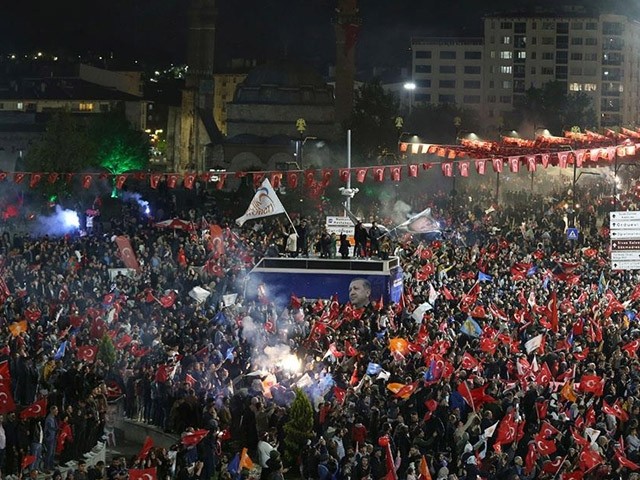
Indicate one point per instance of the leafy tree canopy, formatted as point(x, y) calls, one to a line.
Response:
point(552, 107)
point(373, 120)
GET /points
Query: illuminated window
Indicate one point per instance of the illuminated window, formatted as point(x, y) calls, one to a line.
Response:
point(20, 105)
point(506, 40)
point(506, 69)
point(590, 87)
point(506, 55)
point(575, 87)
point(521, 55)
point(86, 107)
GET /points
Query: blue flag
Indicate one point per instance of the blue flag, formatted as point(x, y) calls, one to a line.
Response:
point(630, 314)
point(220, 318)
point(234, 466)
point(602, 284)
point(471, 327)
point(532, 271)
point(373, 368)
point(60, 352)
point(229, 354)
point(545, 283)
point(483, 277)
point(380, 335)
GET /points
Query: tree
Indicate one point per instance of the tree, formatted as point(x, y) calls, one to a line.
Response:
point(441, 123)
point(74, 144)
point(119, 148)
point(373, 121)
point(550, 106)
point(64, 147)
point(106, 351)
point(299, 428)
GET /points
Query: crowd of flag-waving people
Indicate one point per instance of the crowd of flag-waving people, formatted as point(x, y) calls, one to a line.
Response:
point(512, 353)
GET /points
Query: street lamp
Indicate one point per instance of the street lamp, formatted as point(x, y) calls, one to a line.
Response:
point(410, 87)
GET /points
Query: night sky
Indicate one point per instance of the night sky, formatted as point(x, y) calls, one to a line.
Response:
point(154, 30)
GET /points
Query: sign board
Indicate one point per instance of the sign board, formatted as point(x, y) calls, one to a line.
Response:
point(624, 215)
point(625, 255)
point(573, 234)
point(625, 225)
point(625, 244)
point(625, 265)
point(616, 234)
point(340, 225)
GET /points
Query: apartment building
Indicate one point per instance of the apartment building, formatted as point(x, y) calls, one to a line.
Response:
point(595, 54)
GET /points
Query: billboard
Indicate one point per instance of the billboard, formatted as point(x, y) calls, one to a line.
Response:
point(279, 284)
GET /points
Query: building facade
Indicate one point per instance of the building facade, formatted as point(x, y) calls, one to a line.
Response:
point(595, 54)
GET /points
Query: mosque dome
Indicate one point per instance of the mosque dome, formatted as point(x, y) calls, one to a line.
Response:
point(284, 83)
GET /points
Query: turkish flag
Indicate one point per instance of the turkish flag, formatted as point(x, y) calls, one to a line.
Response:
point(469, 362)
point(589, 458)
point(497, 165)
point(361, 174)
point(189, 180)
point(531, 163)
point(378, 174)
point(327, 173)
point(87, 179)
point(544, 159)
point(146, 448)
point(548, 430)
point(32, 313)
point(5, 374)
point(292, 179)
point(563, 158)
point(514, 164)
point(53, 177)
point(507, 430)
point(87, 353)
point(258, 177)
point(3, 176)
point(544, 446)
point(172, 180)
point(276, 180)
point(37, 409)
point(169, 299)
point(123, 342)
point(349, 349)
point(344, 174)
point(120, 179)
point(98, 328)
point(396, 173)
point(142, 474)
point(406, 390)
point(126, 253)
point(154, 179)
point(481, 166)
point(339, 394)
point(193, 438)
point(463, 167)
point(35, 180)
point(6, 398)
point(413, 170)
point(592, 384)
point(447, 169)
point(309, 178)
point(223, 176)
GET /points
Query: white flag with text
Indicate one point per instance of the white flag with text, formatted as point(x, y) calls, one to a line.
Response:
point(264, 204)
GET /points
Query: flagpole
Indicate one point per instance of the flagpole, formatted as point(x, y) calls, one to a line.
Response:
point(290, 221)
point(473, 286)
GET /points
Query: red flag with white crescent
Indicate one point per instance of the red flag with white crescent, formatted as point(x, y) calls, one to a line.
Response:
point(292, 179)
point(189, 180)
point(361, 174)
point(35, 180)
point(154, 179)
point(87, 353)
point(344, 174)
point(18, 177)
point(6, 398)
point(142, 473)
point(126, 253)
point(37, 409)
point(413, 170)
point(87, 179)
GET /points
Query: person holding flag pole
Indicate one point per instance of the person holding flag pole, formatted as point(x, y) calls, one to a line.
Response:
point(265, 203)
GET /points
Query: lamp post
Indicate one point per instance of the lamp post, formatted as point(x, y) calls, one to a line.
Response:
point(410, 87)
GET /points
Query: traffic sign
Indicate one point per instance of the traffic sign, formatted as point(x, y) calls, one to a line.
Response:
point(616, 234)
point(626, 215)
point(625, 255)
point(625, 244)
point(625, 224)
point(625, 265)
point(573, 233)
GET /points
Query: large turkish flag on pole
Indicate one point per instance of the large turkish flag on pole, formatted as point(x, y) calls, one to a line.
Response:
point(126, 253)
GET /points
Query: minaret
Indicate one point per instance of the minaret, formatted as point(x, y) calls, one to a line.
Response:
point(198, 93)
point(201, 42)
point(347, 25)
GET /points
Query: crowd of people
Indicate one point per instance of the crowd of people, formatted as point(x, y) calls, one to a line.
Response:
point(511, 355)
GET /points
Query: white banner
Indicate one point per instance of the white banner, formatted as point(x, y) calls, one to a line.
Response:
point(127, 272)
point(264, 204)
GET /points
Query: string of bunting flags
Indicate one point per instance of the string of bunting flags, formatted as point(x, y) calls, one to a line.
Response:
point(513, 154)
